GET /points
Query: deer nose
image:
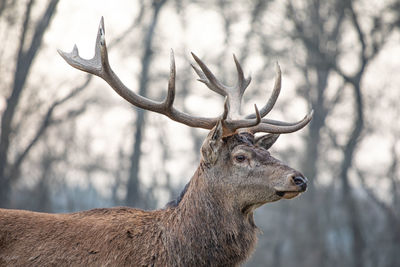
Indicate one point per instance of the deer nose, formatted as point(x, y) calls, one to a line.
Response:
point(300, 181)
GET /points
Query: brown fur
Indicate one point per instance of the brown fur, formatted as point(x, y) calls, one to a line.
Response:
point(211, 225)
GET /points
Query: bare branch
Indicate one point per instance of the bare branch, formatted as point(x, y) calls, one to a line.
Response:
point(46, 123)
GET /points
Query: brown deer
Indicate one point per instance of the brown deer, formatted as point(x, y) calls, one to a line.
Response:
point(210, 224)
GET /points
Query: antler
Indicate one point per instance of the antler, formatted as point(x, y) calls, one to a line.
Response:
point(99, 66)
point(234, 98)
point(234, 94)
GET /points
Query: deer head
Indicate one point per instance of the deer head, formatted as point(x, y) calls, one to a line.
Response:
point(240, 168)
point(235, 161)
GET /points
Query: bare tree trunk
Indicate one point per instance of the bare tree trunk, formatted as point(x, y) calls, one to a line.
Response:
point(311, 32)
point(3, 5)
point(25, 59)
point(367, 53)
point(133, 195)
point(353, 214)
point(310, 167)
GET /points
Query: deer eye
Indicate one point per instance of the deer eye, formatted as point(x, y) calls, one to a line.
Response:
point(240, 158)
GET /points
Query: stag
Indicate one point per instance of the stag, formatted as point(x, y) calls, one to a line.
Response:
point(210, 224)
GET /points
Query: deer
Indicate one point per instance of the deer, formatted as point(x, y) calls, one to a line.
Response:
point(211, 223)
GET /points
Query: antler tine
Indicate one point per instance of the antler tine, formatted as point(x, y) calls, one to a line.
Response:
point(274, 126)
point(202, 77)
point(280, 129)
point(208, 78)
point(274, 95)
point(278, 123)
point(226, 109)
point(242, 83)
point(169, 100)
point(99, 65)
point(94, 65)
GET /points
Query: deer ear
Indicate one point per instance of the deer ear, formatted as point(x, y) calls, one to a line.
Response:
point(211, 146)
point(266, 141)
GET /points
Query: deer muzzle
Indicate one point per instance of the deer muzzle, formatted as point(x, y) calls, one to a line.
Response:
point(297, 185)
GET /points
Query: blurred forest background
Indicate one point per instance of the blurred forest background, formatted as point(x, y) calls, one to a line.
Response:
point(69, 143)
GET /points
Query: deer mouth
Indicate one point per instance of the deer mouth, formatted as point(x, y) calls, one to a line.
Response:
point(287, 194)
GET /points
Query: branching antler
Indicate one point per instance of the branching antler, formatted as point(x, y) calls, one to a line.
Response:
point(99, 66)
point(234, 98)
point(234, 94)
point(231, 118)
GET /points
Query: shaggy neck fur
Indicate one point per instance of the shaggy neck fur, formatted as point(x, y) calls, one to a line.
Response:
point(208, 230)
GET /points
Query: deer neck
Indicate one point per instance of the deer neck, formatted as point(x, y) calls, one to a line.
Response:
point(209, 229)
